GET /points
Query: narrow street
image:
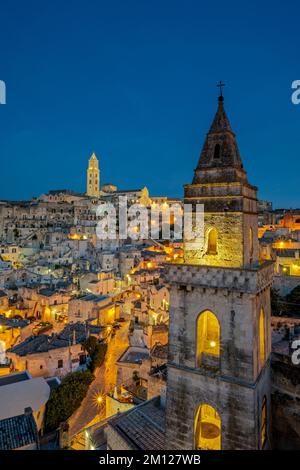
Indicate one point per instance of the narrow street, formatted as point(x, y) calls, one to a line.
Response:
point(105, 379)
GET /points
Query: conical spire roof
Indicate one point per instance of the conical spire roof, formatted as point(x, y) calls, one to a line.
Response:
point(221, 122)
point(220, 159)
point(93, 156)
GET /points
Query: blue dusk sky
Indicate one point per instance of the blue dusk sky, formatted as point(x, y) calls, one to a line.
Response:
point(135, 81)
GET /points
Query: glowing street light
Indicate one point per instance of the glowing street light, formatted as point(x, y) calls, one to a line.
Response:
point(99, 399)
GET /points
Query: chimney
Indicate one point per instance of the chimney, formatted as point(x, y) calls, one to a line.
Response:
point(28, 411)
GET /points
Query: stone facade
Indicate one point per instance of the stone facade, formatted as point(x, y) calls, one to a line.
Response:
point(285, 403)
point(93, 177)
point(224, 278)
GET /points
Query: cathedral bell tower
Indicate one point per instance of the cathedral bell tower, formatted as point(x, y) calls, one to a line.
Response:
point(93, 177)
point(218, 389)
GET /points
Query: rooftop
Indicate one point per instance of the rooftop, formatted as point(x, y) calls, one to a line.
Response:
point(44, 343)
point(18, 431)
point(13, 322)
point(92, 297)
point(14, 378)
point(67, 192)
point(143, 426)
point(134, 355)
point(17, 395)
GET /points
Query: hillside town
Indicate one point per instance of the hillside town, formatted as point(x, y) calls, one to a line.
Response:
point(144, 343)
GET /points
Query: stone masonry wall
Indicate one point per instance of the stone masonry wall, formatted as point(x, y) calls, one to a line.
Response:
point(239, 408)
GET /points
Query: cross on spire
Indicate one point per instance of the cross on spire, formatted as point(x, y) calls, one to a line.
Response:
point(221, 85)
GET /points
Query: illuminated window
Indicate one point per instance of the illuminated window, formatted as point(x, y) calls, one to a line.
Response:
point(217, 151)
point(262, 337)
point(208, 336)
point(264, 422)
point(251, 244)
point(207, 428)
point(212, 242)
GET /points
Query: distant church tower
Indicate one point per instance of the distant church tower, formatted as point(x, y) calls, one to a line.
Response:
point(218, 388)
point(93, 177)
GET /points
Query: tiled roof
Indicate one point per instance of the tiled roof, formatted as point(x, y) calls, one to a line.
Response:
point(92, 298)
point(17, 432)
point(47, 292)
point(144, 426)
point(13, 322)
point(44, 343)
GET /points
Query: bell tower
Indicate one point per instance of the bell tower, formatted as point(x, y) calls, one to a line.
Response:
point(93, 177)
point(218, 389)
point(230, 203)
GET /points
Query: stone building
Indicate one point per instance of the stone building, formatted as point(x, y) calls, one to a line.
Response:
point(218, 386)
point(55, 355)
point(93, 177)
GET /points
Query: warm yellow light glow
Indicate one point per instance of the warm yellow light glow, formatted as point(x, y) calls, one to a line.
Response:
point(262, 337)
point(207, 428)
point(208, 336)
point(212, 242)
point(98, 398)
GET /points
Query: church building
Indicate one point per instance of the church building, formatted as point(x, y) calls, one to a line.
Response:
point(218, 386)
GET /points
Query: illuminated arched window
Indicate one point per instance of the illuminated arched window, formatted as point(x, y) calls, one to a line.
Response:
point(208, 336)
point(217, 151)
point(262, 352)
point(207, 428)
point(212, 242)
point(251, 243)
point(264, 422)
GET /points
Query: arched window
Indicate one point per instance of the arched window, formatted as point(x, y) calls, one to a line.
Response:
point(251, 244)
point(212, 242)
point(207, 428)
point(262, 352)
point(208, 337)
point(264, 422)
point(217, 151)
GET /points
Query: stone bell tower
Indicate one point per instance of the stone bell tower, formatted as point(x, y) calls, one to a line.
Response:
point(93, 177)
point(218, 389)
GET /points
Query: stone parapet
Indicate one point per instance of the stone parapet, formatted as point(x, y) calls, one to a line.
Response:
point(251, 280)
